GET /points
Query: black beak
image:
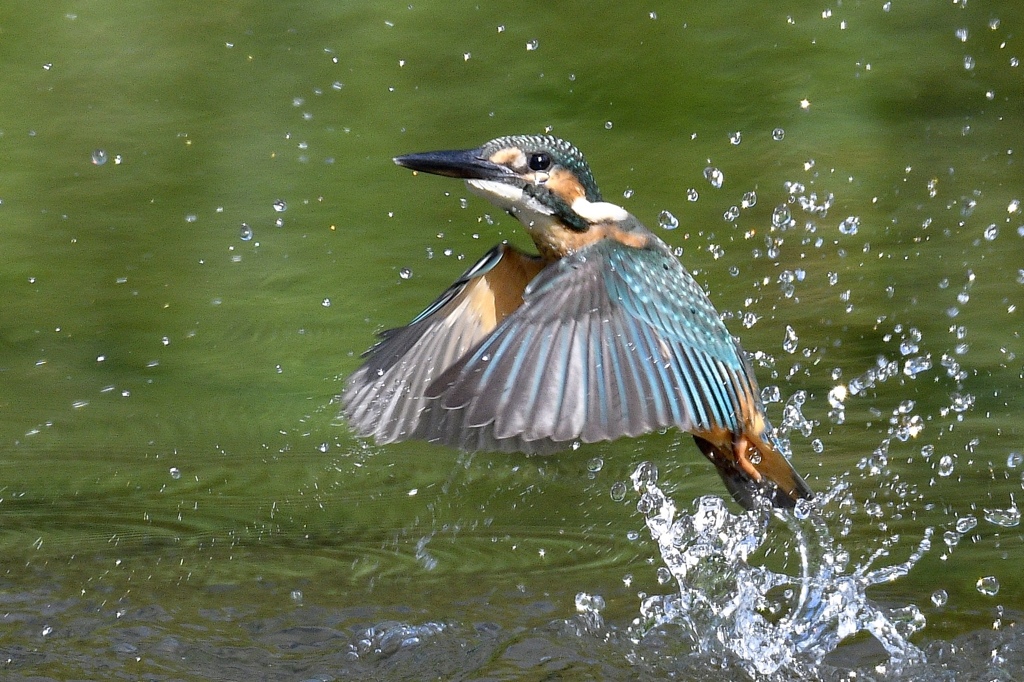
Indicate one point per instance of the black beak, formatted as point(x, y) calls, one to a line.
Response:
point(463, 163)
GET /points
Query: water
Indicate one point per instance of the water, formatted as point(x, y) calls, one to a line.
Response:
point(771, 624)
point(173, 472)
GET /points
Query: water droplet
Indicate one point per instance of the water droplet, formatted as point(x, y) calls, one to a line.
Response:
point(47, 630)
point(608, 125)
point(405, 273)
point(645, 474)
point(175, 473)
point(586, 602)
point(296, 595)
point(988, 585)
point(817, 446)
point(939, 598)
point(595, 465)
point(627, 193)
point(664, 575)
point(1014, 459)
point(736, 138)
point(781, 217)
point(692, 195)
point(991, 232)
point(914, 366)
point(946, 465)
point(968, 62)
point(731, 214)
point(618, 491)
point(789, 344)
point(326, 303)
point(965, 524)
point(749, 199)
point(280, 206)
point(961, 402)
point(803, 509)
point(532, 45)
point(714, 176)
point(778, 134)
point(667, 221)
point(849, 225)
point(99, 157)
point(245, 232)
point(1004, 518)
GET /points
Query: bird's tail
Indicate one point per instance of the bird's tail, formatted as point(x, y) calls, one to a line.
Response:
point(777, 479)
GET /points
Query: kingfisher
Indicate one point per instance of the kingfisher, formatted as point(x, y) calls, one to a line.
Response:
point(600, 334)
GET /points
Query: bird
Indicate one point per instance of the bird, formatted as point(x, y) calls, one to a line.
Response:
point(599, 335)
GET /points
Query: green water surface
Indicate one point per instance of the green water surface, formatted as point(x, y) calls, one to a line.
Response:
point(201, 228)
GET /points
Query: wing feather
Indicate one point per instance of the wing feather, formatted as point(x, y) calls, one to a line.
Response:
point(386, 397)
point(573, 415)
point(610, 341)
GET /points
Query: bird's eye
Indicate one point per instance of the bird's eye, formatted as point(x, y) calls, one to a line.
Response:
point(539, 161)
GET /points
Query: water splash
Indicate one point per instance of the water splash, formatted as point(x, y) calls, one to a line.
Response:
point(769, 623)
point(388, 638)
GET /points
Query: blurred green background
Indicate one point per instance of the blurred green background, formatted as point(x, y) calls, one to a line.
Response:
point(201, 228)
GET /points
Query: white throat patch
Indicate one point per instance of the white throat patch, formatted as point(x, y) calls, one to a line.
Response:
point(534, 215)
point(599, 211)
point(512, 199)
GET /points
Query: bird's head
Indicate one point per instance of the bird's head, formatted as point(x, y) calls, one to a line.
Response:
point(541, 180)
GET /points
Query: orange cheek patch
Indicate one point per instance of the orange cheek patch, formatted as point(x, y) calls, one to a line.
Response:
point(511, 158)
point(564, 184)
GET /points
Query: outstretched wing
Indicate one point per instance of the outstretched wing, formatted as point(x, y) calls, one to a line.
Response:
point(384, 397)
point(610, 341)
